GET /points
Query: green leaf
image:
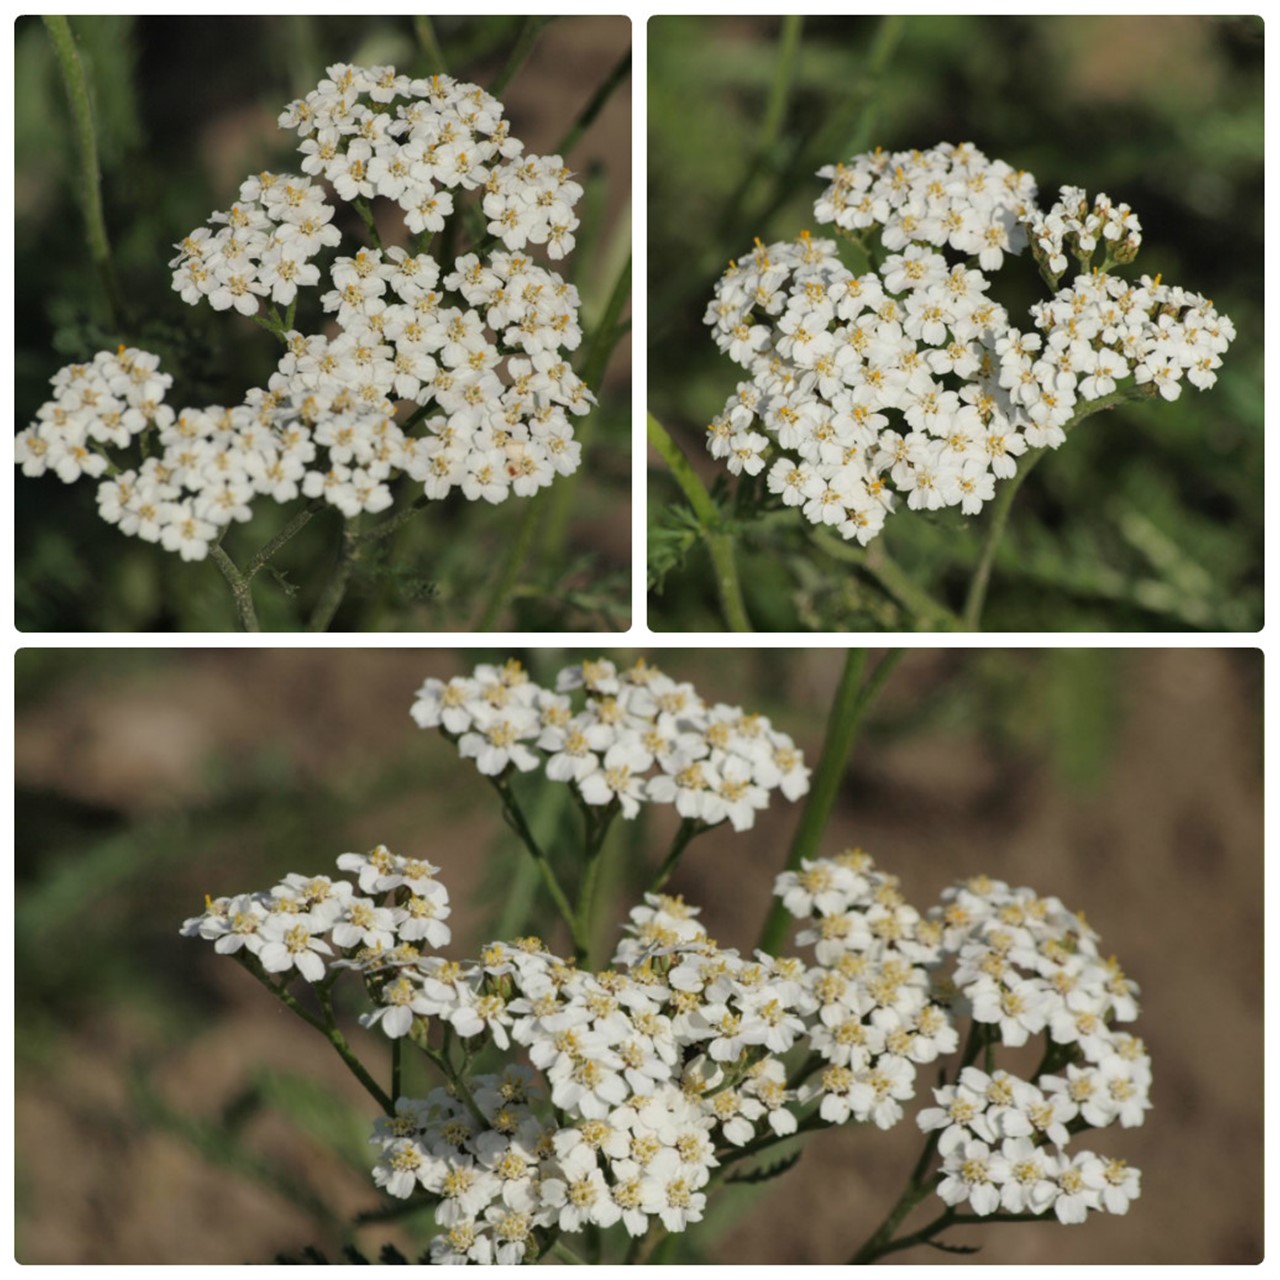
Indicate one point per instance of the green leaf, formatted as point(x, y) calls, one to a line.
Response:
point(766, 1173)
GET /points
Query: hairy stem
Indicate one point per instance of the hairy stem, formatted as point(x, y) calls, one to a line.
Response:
point(334, 590)
point(327, 1027)
point(981, 580)
point(241, 594)
point(719, 543)
point(296, 525)
point(81, 105)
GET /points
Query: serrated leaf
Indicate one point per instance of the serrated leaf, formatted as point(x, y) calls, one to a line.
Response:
point(753, 1177)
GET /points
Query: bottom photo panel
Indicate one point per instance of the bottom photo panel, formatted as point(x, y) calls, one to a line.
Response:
point(789, 956)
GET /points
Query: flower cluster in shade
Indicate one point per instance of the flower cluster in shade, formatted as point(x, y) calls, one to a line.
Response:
point(619, 738)
point(623, 1095)
point(908, 380)
point(478, 345)
point(1020, 966)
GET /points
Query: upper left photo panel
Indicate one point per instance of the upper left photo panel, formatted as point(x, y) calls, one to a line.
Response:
point(323, 323)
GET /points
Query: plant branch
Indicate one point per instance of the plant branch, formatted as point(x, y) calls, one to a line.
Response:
point(981, 580)
point(331, 597)
point(530, 31)
point(327, 1027)
point(241, 593)
point(587, 116)
point(852, 701)
point(81, 105)
point(265, 553)
point(719, 543)
point(689, 828)
point(430, 45)
point(516, 820)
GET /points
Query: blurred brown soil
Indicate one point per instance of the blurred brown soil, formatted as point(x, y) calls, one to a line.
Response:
point(1165, 856)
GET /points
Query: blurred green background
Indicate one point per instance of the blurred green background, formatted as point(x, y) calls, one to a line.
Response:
point(168, 1110)
point(1151, 517)
point(185, 110)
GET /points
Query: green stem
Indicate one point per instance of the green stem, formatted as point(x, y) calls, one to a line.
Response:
point(441, 1059)
point(852, 701)
point(981, 580)
point(597, 830)
point(396, 1067)
point(516, 820)
point(512, 565)
point(587, 116)
point(327, 1028)
point(530, 30)
point(771, 124)
point(78, 99)
point(361, 206)
point(719, 543)
point(689, 828)
point(881, 1240)
point(331, 597)
point(877, 564)
point(392, 523)
point(241, 593)
point(562, 1250)
point(265, 553)
point(431, 50)
point(783, 77)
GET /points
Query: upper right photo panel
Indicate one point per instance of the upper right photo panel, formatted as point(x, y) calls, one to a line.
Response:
point(955, 324)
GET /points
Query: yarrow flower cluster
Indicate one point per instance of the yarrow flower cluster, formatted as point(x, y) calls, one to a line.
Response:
point(636, 736)
point(476, 344)
point(624, 1094)
point(909, 380)
point(1019, 966)
point(1024, 966)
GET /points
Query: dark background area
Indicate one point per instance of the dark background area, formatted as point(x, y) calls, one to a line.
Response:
point(186, 109)
point(1150, 517)
point(167, 1110)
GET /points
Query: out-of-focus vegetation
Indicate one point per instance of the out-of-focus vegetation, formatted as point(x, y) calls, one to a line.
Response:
point(1151, 516)
point(209, 1125)
point(184, 109)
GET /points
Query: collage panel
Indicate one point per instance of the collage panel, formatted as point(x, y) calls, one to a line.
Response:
point(685, 956)
point(385, 386)
point(894, 263)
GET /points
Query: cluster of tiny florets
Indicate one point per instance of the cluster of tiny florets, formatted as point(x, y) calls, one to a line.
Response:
point(477, 344)
point(637, 735)
point(622, 1092)
point(878, 1019)
point(909, 380)
point(297, 924)
point(1025, 966)
point(1019, 966)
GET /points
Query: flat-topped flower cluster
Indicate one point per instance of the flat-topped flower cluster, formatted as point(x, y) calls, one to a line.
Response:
point(712, 762)
point(477, 344)
point(909, 380)
point(627, 1092)
point(1019, 966)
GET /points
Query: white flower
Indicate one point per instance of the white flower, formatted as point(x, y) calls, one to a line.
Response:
point(288, 943)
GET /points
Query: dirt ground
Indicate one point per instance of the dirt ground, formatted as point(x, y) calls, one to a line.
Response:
point(1163, 851)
